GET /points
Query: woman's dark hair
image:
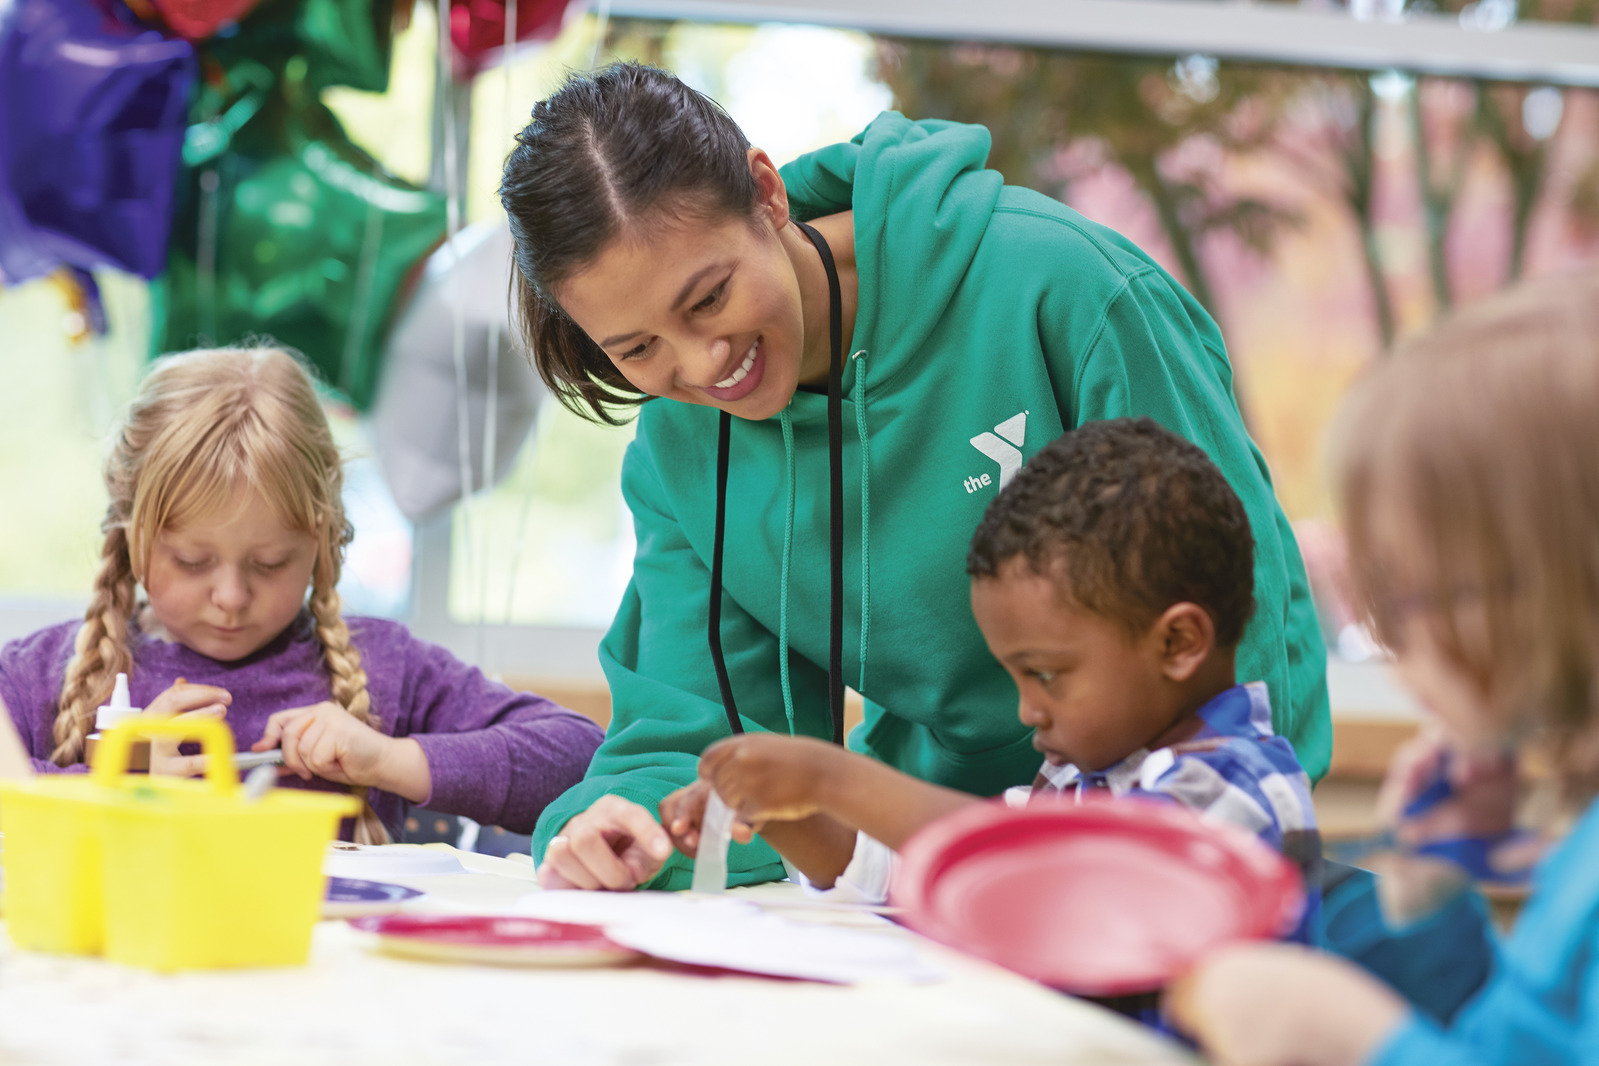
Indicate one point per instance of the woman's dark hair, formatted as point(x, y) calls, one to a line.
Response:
point(1130, 518)
point(601, 155)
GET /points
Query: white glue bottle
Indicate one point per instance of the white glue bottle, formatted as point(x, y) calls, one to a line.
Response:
point(119, 709)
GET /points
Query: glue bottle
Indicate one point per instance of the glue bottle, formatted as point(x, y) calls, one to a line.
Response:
point(119, 709)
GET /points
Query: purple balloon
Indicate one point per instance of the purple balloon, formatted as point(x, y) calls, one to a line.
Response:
point(92, 115)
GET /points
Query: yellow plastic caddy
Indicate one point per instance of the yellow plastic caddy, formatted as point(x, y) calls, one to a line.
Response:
point(165, 873)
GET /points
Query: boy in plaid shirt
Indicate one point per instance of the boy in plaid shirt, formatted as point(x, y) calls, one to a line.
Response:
point(1233, 768)
point(1113, 579)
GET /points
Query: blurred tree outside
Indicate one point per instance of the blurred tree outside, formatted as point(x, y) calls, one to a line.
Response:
point(1332, 141)
point(1170, 125)
point(1240, 174)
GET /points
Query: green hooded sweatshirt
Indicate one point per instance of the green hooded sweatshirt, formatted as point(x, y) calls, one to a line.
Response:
point(991, 319)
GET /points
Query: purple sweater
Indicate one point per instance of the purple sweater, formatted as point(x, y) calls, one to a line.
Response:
point(495, 755)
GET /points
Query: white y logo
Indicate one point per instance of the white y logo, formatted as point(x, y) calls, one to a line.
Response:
point(1007, 452)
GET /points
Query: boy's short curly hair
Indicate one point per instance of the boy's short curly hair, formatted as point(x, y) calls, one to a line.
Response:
point(1135, 518)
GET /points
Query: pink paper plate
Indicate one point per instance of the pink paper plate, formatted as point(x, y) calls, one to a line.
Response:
point(1099, 898)
point(505, 941)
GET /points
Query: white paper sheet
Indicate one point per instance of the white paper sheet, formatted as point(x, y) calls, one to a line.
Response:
point(370, 862)
point(621, 908)
point(735, 934)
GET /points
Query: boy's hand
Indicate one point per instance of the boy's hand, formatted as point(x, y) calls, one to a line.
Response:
point(681, 813)
point(182, 701)
point(763, 777)
point(1282, 1005)
point(326, 741)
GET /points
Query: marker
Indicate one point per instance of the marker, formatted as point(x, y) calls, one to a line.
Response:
point(249, 760)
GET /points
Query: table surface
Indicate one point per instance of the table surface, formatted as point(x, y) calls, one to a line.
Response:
point(351, 1004)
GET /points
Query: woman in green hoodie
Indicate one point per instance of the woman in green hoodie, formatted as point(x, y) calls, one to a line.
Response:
point(827, 410)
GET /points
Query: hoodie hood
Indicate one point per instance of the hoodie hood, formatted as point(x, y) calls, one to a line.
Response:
point(922, 198)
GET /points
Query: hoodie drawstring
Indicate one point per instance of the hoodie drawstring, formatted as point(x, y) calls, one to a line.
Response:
point(788, 553)
point(866, 508)
point(835, 472)
point(786, 419)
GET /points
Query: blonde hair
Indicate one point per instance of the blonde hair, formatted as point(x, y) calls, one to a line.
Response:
point(1468, 471)
point(203, 423)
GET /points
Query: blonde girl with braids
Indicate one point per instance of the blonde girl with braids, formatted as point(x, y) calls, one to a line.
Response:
point(217, 595)
point(1468, 471)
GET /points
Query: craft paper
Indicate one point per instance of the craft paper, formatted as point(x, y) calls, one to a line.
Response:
point(735, 934)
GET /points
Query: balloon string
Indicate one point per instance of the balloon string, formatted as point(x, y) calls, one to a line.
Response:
point(491, 403)
point(603, 20)
point(516, 550)
point(365, 282)
point(452, 216)
point(206, 283)
point(508, 127)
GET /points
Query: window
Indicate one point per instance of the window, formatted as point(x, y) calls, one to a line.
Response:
point(1319, 213)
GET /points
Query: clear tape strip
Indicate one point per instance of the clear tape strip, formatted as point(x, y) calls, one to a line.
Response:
point(710, 859)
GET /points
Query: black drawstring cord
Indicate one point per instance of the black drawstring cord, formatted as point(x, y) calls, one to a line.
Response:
point(723, 440)
point(835, 454)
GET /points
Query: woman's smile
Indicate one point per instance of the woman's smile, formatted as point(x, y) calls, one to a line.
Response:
point(745, 378)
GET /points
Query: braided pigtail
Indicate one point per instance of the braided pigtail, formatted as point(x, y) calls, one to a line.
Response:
point(349, 690)
point(101, 651)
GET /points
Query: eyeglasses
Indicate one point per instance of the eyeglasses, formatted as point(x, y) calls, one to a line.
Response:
point(1389, 613)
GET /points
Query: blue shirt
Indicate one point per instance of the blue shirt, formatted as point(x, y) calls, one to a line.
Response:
point(1540, 1004)
point(1235, 769)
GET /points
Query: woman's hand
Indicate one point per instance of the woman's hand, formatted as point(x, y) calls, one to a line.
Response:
point(764, 777)
point(327, 741)
point(183, 701)
point(615, 844)
point(1282, 1005)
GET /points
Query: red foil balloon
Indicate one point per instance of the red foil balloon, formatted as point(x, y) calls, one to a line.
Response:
point(193, 20)
point(477, 28)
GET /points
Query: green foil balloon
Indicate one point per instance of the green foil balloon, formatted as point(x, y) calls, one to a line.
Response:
point(289, 231)
point(342, 42)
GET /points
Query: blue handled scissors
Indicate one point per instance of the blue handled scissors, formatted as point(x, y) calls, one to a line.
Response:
point(1470, 853)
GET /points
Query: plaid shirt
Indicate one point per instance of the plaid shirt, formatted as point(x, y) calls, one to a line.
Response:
point(1234, 769)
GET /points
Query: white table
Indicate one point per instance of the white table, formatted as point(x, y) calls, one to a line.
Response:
point(352, 1005)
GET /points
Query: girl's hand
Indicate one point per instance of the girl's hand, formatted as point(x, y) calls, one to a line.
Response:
point(615, 844)
point(1282, 1005)
point(764, 777)
point(1484, 789)
point(326, 741)
point(182, 701)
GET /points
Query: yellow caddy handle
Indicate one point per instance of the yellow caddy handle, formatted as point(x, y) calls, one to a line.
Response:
point(216, 742)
